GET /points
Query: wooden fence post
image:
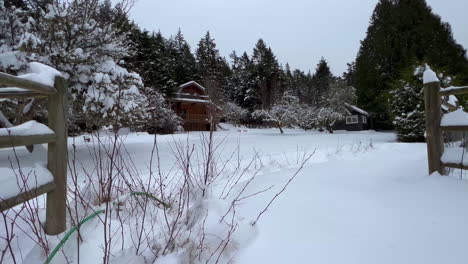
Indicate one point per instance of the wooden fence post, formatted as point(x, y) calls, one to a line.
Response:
point(57, 159)
point(435, 145)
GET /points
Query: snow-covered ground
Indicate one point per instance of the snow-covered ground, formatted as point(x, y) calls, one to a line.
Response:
point(362, 198)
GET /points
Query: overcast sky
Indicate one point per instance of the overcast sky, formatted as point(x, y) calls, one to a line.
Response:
point(299, 31)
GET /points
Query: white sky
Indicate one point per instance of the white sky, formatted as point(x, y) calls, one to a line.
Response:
point(299, 31)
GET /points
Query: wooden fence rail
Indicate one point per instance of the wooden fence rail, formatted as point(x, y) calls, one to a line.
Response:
point(57, 153)
point(434, 130)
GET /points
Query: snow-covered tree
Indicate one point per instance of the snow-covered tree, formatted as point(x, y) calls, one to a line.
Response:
point(162, 120)
point(84, 40)
point(307, 117)
point(407, 106)
point(182, 62)
point(338, 95)
point(114, 97)
point(334, 103)
point(282, 114)
point(265, 92)
point(240, 88)
point(147, 55)
point(15, 32)
point(326, 118)
point(233, 113)
point(320, 83)
point(212, 68)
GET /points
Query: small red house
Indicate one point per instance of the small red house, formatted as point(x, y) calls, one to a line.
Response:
point(194, 106)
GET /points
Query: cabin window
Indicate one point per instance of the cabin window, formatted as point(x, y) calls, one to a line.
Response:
point(352, 119)
point(364, 119)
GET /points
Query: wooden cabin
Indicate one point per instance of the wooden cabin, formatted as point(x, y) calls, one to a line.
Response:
point(194, 106)
point(356, 120)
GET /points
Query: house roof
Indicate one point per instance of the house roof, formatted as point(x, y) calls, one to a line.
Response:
point(356, 109)
point(190, 84)
point(192, 100)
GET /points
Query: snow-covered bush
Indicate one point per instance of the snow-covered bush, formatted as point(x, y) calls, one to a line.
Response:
point(113, 96)
point(307, 117)
point(326, 118)
point(162, 120)
point(282, 114)
point(233, 113)
point(15, 27)
point(407, 106)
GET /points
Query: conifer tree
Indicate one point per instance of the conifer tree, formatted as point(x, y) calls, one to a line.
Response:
point(241, 83)
point(321, 83)
point(408, 106)
point(149, 56)
point(212, 68)
point(267, 73)
point(182, 62)
point(402, 33)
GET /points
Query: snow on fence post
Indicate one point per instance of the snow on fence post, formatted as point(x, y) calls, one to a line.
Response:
point(434, 140)
point(57, 159)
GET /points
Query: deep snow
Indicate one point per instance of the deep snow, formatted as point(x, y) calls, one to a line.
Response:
point(363, 198)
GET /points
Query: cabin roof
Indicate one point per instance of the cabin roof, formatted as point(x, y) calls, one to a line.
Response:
point(356, 109)
point(191, 100)
point(187, 84)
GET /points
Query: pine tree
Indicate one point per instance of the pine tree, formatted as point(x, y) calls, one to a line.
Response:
point(208, 59)
point(182, 62)
point(349, 75)
point(212, 68)
point(241, 84)
point(402, 33)
point(321, 84)
point(149, 57)
point(267, 73)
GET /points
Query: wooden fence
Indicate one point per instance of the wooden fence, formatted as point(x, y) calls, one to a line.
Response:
point(434, 130)
point(57, 153)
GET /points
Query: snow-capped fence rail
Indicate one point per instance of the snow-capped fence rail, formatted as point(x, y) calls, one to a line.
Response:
point(31, 86)
point(33, 133)
point(454, 90)
point(436, 123)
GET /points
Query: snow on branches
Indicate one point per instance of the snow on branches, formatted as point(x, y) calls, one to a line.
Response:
point(233, 113)
point(85, 41)
point(282, 114)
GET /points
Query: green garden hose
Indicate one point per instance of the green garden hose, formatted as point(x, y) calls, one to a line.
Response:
point(67, 236)
point(91, 216)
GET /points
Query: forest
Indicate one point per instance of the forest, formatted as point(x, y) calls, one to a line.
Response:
point(121, 75)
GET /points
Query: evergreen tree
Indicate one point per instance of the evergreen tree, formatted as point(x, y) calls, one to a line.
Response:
point(208, 59)
point(407, 103)
point(408, 106)
point(401, 33)
point(182, 62)
point(149, 57)
point(301, 86)
point(321, 84)
point(241, 83)
point(212, 68)
point(267, 73)
point(349, 75)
